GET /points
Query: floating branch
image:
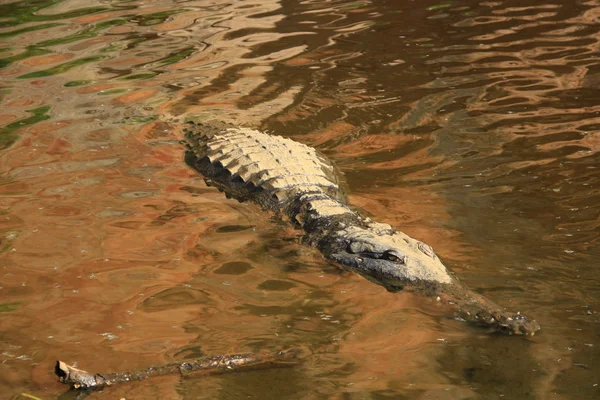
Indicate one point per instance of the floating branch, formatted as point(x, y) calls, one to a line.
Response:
point(80, 379)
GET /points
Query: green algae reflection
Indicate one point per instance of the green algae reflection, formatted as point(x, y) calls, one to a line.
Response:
point(5, 247)
point(86, 33)
point(22, 12)
point(38, 48)
point(140, 119)
point(171, 58)
point(59, 69)
point(176, 57)
point(4, 35)
point(31, 51)
point(155, 18)
point(77, 83)
point(9, 307)
point(7, 133)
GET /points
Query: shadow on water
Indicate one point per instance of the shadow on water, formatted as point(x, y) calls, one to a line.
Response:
point(472, 126)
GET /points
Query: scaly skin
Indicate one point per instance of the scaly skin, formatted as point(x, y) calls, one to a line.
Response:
point(294, 180)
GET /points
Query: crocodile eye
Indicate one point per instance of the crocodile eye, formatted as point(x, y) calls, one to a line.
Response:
point(392, 257)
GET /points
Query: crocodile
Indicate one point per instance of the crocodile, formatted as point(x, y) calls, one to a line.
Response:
point(298, 183)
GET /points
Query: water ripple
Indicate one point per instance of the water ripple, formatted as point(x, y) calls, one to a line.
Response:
point(470, 125)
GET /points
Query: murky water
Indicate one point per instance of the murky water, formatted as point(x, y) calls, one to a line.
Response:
point(473, 126)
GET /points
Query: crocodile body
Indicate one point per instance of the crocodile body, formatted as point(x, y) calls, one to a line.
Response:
point(294, 180)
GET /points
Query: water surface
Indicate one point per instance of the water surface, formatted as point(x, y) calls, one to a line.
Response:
point(472, 126)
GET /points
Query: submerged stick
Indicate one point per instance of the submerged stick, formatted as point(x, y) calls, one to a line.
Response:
point(80, 379)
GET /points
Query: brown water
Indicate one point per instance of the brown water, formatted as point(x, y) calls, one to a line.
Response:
point(473, 126)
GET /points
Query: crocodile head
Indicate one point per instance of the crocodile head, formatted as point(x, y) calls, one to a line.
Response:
point(392, 258)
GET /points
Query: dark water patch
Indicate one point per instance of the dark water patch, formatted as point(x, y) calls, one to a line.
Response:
point(221, 83)
point(175, 298)
point(283, 383)
point(353, 6)
point(137, 194)
point(190, 352)
point(262, 310)
point(133, 225)
point(589, 128)
point(178, 211)
point(265, 93)
point(155, 18)
point(147, 75)
point(294, 267)
point(234, 268)
point(233, 228)
point(275, 285)
point(127, 44)
point(489, 365)
point(139, 119)
point(196, 190)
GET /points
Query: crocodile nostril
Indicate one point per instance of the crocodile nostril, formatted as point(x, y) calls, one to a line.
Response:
point(426, 249)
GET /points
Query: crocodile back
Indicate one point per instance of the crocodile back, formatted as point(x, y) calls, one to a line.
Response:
point(249, 165)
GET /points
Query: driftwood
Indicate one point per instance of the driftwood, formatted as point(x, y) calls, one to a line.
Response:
point(80, 379)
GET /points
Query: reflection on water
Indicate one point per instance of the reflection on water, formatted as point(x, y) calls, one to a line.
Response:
point(472, 126)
